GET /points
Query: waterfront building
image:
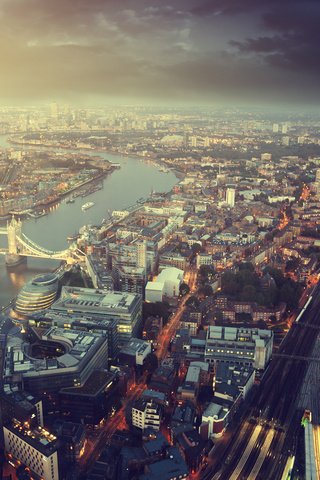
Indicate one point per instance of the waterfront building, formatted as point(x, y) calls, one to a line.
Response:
point(37, 295)
point(99, 273)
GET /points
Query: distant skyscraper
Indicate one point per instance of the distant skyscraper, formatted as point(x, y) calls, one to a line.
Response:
point(54, 110)
point(317, 181)
point(207, 142)
point(230, 197)
point(266, 157)
point(193, 141)
point(275, 128)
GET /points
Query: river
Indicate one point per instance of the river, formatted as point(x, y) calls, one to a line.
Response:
point(135, 179)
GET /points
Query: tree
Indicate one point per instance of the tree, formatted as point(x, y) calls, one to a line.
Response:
point(206, 270)
point(206, 290)
point(246, 266)
point(184, 289)
point(157, 309)
point(196, 248)
point(276, 274)
point(288, 295)
point(292, 264)
point(193, 302)
point(248, 293)
point(151, 362)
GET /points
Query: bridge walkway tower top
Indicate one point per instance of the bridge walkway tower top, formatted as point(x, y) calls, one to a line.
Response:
point(13, 230)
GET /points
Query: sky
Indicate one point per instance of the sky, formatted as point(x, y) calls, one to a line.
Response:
point(160, 52)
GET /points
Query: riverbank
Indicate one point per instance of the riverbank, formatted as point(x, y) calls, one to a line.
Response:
point(128, 184)
point(32, 212)
point(147, 159)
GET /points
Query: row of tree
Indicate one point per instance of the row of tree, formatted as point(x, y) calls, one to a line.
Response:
point(245, 285)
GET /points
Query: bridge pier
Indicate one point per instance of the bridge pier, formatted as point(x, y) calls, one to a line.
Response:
point(13, 260)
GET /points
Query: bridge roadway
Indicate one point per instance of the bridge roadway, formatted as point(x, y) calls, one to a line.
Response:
point(274, 404)
point(26, 247)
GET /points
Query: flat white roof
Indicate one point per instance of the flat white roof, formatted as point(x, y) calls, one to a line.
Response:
point(155, 286)
point(170, 274)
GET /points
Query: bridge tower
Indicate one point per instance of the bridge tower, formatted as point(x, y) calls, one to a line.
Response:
point(13, 230)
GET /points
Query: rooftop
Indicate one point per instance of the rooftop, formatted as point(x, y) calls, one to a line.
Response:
point(99, 380)
point(90, 299)
point(215, 410)
point(78, 345)
point(135, 345)
point(172, 467)
point(252, 335)
point(39, 437)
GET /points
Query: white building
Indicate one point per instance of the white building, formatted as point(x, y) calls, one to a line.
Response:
point(167, 284)
point(204, 259)
point(154, 292)
point(230, 197)
point(216, 416)
point(146, 414)
point(35, 448)
point(280, 198)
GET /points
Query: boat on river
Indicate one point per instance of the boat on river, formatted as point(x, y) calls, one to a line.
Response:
point(87, 205)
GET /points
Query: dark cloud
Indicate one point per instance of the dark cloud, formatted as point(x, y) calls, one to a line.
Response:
point(295, 40)
point(231, 7)
point(234, 7)
point(140, 49)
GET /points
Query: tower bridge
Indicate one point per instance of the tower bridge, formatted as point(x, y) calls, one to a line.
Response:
point(19, 247)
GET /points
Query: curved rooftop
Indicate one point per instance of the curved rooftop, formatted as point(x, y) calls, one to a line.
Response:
point(46, 279)
point(38, 294)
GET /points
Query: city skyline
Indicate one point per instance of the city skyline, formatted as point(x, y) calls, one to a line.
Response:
point(183, 52)
point(159, 239)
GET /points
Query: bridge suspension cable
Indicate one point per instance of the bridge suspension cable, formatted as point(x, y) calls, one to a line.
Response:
point(37, 250)
point(30, 242)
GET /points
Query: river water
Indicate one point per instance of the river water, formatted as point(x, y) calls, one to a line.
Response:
point(135, 179)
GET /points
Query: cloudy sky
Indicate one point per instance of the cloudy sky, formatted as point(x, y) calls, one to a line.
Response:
point(157, 51)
